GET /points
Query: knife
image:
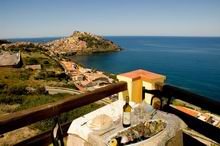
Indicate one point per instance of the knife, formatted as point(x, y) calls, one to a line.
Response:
point(107, 131)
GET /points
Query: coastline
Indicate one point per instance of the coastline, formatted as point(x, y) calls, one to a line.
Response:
point(85, 79)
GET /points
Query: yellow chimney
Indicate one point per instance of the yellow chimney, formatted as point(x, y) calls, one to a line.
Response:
point(138, 79)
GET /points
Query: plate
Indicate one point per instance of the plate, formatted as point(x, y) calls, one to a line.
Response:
point(144, 139)
point(99, 123)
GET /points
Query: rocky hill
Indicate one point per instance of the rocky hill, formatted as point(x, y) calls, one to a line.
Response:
point(82, 43)
point(77, 44)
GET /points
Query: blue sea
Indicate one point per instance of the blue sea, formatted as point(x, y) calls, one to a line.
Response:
point(192, 63)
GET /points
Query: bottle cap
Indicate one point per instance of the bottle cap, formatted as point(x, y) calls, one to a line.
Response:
point(127, 99)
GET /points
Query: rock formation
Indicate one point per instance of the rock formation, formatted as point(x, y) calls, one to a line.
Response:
point(81, 43)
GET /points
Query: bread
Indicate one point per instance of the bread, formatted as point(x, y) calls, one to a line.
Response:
point(101, 121)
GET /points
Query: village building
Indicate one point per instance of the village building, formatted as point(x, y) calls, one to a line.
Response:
point(94, 76)
point(188, 111)
point(10, 59)
point(214, 119)
point(85, 70)
point(79, 77)
point(34, 67)
point(74, 66)
point(203, 117)
point(69, 66)
point(206, 117)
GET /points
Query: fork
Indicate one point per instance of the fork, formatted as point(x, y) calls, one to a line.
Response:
point(153, 114)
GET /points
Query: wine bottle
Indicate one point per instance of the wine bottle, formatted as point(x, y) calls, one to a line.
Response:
point(126, 117)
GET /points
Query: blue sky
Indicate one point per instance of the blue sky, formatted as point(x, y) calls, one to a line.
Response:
point(42, 18)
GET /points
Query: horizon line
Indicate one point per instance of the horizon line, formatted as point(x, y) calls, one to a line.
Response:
point(11, 38)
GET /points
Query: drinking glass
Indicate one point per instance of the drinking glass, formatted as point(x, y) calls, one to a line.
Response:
point(137, 114)
point(115, 115)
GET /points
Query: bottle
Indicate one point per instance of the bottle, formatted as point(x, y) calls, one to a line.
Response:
point(126, 117)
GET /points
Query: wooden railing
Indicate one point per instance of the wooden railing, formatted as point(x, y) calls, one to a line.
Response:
point(172, 92)
point(23, 118)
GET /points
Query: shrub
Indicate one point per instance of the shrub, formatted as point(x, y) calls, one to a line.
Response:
point(32, 61)
point(25, 74)
point(62, 76)
point(50, 74)
point(90, 41)
point(11, 99)
point(36, 91)
point(113, 76)
point(41, 75)
point(46, 62)
point(14, 49)
point(2, 85)
point(70, 85)
point(41, 90)
point(18, 89)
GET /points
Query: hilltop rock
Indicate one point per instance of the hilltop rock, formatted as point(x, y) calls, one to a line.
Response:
point(81, 43)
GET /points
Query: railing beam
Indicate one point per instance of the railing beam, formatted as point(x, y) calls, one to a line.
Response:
point(22, 118)
point(43, 139)
point(198, 100)
point(197, 124)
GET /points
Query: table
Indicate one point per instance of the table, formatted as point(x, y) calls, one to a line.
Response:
point(79, 134)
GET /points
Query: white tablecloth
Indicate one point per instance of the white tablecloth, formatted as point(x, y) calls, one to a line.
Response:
point(174, 125)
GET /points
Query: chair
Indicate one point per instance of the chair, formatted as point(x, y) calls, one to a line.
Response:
point(57, 134)
point(155, 99)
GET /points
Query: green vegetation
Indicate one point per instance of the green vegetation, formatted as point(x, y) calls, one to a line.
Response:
point(178, 103)
point(66, 117)
point(22, 88)
point(31, 58)
point(111, 75)
point(32, 61)
point(14, 49)
point(25, 74)
point(28, 101)
point(93, 42)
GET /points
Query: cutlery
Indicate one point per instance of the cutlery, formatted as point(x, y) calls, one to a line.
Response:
point(153, 114)
point(106, 131)
point(84, 123)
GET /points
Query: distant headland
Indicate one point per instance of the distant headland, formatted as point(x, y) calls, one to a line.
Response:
point(79, 43)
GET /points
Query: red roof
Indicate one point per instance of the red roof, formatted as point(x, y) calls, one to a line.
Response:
point(145, 75)
point(188, 111)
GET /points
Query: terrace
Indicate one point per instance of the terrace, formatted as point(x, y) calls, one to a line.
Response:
point(135, 84)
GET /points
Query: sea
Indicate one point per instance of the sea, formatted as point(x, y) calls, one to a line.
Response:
point(192, 63)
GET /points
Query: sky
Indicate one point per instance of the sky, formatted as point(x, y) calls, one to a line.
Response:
point(49, 18)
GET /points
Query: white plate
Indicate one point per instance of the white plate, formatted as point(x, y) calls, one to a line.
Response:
point(98, 128)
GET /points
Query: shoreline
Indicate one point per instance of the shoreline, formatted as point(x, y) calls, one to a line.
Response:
point(84, 78)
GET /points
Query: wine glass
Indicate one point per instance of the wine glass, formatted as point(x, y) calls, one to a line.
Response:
point(115, 115)
point(137, 113)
